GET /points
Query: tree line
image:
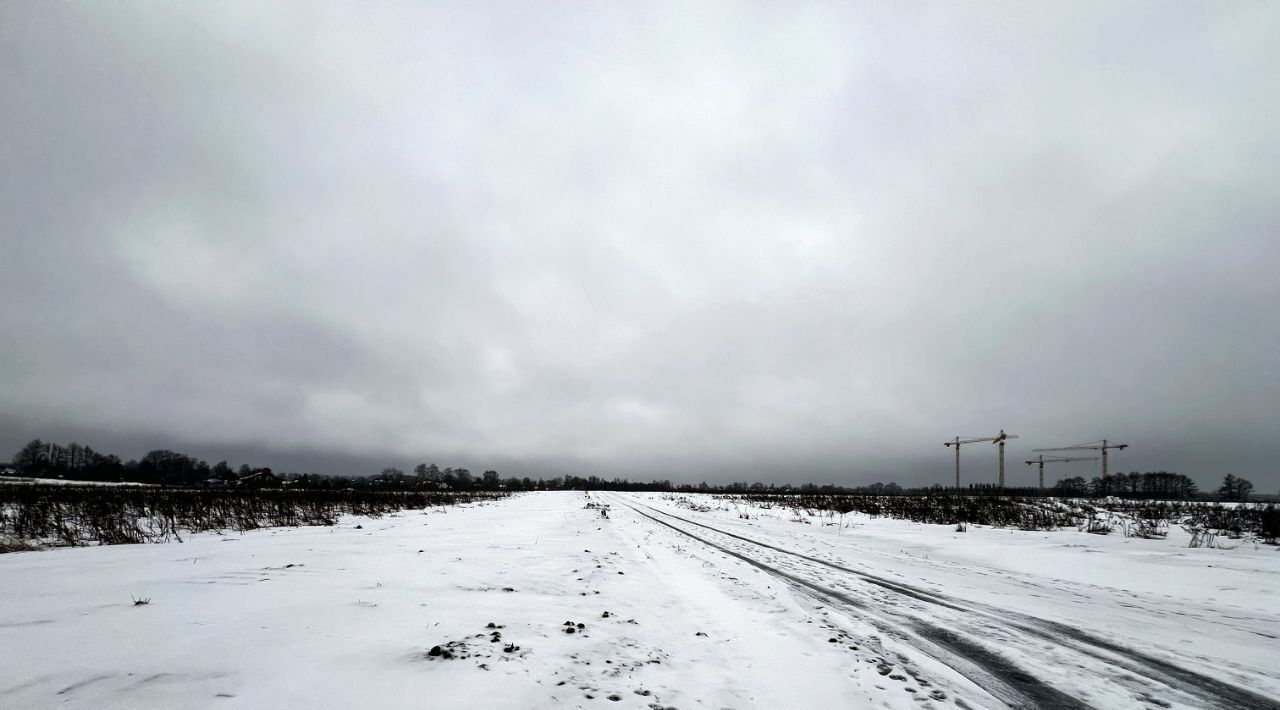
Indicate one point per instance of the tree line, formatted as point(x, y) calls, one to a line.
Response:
point(1157, 485)
point(42, 459)
point(1161, 485)
point(47, 459)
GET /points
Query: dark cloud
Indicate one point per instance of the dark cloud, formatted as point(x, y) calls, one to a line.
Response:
point(719, 242)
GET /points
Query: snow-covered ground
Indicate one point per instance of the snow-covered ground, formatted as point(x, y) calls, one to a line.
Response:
point(64, 482)
point(679, 608)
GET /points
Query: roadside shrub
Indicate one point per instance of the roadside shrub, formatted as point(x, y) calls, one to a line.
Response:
point(1148, 519)
point(114, 515)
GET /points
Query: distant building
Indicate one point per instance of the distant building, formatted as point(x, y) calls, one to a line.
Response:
point(261, 478)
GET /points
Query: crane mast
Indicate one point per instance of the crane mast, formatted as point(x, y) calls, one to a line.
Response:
point(997, 439)
point(1102, 445)
point(1056, 459)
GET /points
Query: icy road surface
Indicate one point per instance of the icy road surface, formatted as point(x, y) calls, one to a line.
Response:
point(667, 605)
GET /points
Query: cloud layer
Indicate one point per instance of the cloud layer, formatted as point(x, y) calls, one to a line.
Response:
point(710, 241)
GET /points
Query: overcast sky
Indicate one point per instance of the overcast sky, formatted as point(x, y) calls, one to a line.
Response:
point(738, 241)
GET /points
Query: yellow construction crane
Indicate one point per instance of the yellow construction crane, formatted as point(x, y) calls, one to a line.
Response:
point(1056, 459)
point(997, 439)
point(1101, 445)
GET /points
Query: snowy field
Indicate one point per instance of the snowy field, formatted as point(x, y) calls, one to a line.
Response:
point(538, 601)
point(21, 480)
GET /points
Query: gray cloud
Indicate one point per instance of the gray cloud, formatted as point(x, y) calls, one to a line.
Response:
point(719, 241)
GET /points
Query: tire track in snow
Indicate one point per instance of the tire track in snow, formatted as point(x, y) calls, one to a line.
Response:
point(1214, 692)
point(989, 670)
point(1218, 693)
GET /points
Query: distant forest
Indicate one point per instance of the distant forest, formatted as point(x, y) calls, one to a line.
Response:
point(41, 459)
